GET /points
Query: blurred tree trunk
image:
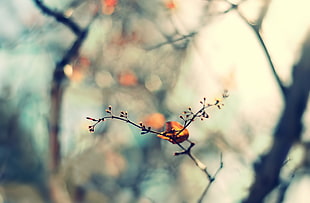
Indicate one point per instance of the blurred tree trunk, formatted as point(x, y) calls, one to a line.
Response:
point(59, 78)
point(287, 132)
point(56, 100)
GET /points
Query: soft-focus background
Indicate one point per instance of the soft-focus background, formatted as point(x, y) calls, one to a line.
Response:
point(153, 59)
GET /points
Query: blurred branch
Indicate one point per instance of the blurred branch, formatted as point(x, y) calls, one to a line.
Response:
point(232, 6)
point(261, 17)
point(59, 17)
point(283, 188)
point(288, 130)
point(57, 92)
point(57, 88)
point(256, 29)
point(171, 41)
point(70, 54)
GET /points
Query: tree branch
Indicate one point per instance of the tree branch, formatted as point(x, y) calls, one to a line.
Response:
point(287, 132)
point(188, 117)
point(205, 191)
point(57, 88)
point(171, 41)
point(256, 29)
point(59, 17)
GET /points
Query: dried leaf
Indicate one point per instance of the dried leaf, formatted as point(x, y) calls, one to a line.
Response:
point(174, 133)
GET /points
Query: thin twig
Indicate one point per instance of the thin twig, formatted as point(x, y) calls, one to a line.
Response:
point(211, 180)
point(185, 151)
point(189, 118)
point(184, 37)
point(256, 29)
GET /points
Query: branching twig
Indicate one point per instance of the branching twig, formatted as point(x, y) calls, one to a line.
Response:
point(287, 132)
point(256, 29)
point(266, 51)
point(172, 41)
point(188, 117)
point(211, 180)
point(172, 135)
